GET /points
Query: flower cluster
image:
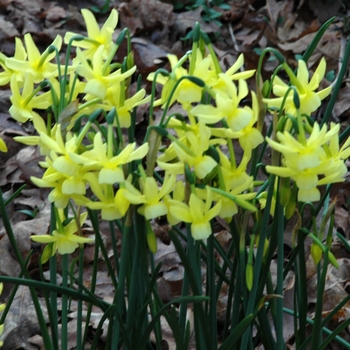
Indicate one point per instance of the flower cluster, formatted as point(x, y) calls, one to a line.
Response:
point(313, 162)
point(310, 154)
point(81, 158)
point(211, 144)
point(90, 84)
point(310, 99)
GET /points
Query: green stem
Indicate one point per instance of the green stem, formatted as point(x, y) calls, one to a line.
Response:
point(211, 292)
point(317, 329)
point(280, 266)
point(119, 298)
point(64, 329)
point(80, 303)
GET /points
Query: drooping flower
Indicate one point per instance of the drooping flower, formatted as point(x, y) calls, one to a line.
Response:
point(153, 205)
point(21, 55)
point(190, 150)
point(227, 106)
point(24, 102)
point(110, 170)
point(64, 239)
point(112, 205)
point(36, 64)
point(310, 99)
point(98, 79)
point(95, 36)
point(187, 91)
point(310, 163)
point(198, 213)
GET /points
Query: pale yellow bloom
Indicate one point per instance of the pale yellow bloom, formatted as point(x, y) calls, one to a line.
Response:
point(310, 100)
point(98, 79)
point(95, 35)
point(317, 161)
point(64, 239)
point(187, 92)
point(112, 206)
point(38, 65)
point(24, 102)
point(190, 149)
point(227, 106)
point(21, 55)
point(110, 169)
point(153, 205)
point(198, 213)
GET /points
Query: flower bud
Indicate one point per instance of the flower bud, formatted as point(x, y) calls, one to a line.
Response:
point(151, 239)
point(249, 276)
point(316, 253)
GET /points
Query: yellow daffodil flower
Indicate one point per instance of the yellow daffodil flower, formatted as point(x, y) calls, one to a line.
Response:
point(310, 100)
point(40, 127)
point(57, 195)
point(306, 162)
point(198, 213)
point(110, 170)
point(23, 103)
point(249, 136)
point(234, 176)
point(125, 107)
point(337, 155)
point(227, 106)
point(190, 149)
point(21, 55)
point(62, 162)
point(64, 239)
point(38, 65)
point(98, 81)
point(232, 71)
point(95, 35)
point(112, 206)
point(187, 92)
point(153, 206)
point(303, 155)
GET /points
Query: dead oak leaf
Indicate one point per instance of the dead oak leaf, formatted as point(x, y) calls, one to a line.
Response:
point(343, 103)
point(186, 21)
point(7, 29)
point(145, 15)
point(21, 321)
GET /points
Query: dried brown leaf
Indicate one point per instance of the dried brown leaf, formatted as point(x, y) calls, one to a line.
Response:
point(55, 13)
point(186, 21)
point(7, 29)
point(145, 15)
point(343, 103)
point(21, 321)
